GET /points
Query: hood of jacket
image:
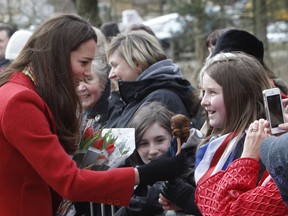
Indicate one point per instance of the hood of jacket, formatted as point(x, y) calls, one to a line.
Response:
point(161, 75)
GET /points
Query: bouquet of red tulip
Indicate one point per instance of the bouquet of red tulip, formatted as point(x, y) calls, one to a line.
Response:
point(106, 148)
point(100, 150)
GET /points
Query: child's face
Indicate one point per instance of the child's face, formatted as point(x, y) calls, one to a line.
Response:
point(154, 143)
point(213, 102)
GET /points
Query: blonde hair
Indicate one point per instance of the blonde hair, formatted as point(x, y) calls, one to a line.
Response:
point(138, 48)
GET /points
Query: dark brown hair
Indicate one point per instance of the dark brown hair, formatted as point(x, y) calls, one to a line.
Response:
point(9, 30)
point(48, 52)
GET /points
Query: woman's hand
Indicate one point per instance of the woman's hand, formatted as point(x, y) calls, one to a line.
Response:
point(257, 131)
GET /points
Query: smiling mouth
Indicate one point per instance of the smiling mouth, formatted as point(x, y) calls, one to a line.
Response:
point(210, 112)
point(85, 95)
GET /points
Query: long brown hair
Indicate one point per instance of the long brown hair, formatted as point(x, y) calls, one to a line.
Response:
point(48, 52)
point(242, 79)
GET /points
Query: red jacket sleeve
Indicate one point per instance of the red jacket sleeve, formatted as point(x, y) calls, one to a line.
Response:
point(234, 192)
point(27, 125)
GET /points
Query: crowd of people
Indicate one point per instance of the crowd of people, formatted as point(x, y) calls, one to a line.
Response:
point(198, 151)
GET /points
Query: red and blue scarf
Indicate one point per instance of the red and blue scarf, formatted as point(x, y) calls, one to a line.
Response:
point(216, 155)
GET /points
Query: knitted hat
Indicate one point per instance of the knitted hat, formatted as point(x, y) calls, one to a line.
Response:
point(239, 40)
point(274, 155)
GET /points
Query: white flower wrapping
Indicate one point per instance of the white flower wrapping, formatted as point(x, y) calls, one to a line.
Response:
point(124, 146)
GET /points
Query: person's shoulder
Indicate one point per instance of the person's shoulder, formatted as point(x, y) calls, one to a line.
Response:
point(18, 82)
point(163, 92)
point(19, 89)
point(167, 97)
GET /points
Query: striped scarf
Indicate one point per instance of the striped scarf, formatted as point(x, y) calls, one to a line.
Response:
point(216, 155)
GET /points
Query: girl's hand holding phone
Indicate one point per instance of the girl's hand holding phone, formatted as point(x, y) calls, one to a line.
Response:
point(255, 134)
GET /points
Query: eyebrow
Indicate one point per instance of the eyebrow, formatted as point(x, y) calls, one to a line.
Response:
point(156, 137)
point(211, 88)
point(87, 58)
point(112, 63)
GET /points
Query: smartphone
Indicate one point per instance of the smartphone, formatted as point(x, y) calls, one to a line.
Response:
point(274, 109)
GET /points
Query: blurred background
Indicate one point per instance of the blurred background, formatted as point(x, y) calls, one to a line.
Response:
point(181, 25)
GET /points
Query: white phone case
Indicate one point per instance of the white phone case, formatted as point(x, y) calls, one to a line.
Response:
point(274, 109)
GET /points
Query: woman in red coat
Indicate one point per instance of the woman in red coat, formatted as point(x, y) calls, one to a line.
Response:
point(40, 126)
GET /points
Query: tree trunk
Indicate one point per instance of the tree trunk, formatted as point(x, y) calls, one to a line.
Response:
point(260, 26)
point(89, 9)
point(200, 37)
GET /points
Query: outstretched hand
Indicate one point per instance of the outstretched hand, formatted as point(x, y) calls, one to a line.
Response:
point(161, 169)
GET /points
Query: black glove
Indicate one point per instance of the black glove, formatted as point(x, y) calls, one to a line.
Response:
point(182, 194)
point(162, 169)
point(144, 202)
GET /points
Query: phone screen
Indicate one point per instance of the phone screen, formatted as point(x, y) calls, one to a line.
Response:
point(274, 106)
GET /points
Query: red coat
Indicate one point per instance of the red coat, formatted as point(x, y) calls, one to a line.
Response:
point(234, 192)
point(32, 160)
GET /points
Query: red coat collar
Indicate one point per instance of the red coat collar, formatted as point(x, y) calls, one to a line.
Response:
point(22, 79)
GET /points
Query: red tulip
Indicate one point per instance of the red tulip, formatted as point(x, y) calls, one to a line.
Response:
point(88, 133)
point(99, 143)
point(110, 148)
